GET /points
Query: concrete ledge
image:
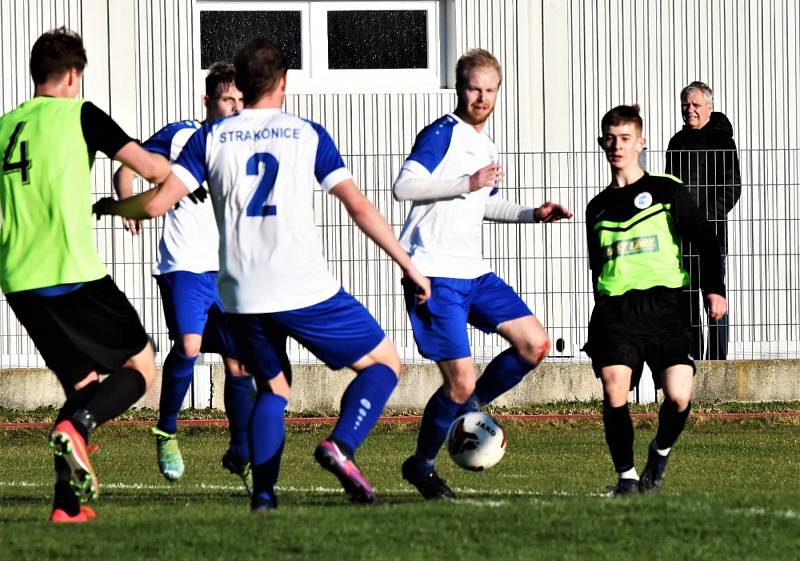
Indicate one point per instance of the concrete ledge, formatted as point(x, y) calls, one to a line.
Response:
point(748, 380)
point(317, 387)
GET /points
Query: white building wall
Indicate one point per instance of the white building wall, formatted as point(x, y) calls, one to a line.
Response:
point(565, 63)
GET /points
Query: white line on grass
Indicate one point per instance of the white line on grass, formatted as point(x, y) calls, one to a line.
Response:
point(305, 490)
point(486, 503)
point(758, 511)
point(464, 491)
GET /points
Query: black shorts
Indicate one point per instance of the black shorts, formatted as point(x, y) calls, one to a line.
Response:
point(92, 328)
point(639, 326)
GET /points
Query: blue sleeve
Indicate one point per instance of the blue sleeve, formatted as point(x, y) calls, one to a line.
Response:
point(160, 142)
point(328, 158)
point(193, 156)
point(432, 143)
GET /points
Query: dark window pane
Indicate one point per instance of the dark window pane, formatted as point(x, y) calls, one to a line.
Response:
point(223, 33)
point(377, 39)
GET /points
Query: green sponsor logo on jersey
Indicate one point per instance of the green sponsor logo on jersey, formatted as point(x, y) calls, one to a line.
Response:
point(633, 246)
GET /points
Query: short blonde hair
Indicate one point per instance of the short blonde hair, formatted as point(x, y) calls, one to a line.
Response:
point(474, 58)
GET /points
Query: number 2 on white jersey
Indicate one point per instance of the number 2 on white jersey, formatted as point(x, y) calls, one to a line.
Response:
point(258, 204)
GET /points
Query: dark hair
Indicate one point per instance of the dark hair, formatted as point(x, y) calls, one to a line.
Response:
point(56, 52)
point(259, 65)
point(220, 76)
point(475, 58)
point(621, 115)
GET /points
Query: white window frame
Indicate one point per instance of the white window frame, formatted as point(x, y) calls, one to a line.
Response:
point(416, 79)
point(316, 77)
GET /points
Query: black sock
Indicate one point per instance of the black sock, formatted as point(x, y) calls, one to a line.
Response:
point(116, 394)
point(64, 496)
point(345, 449)
point(619, 436)
point(671, 423)
point(76, 401)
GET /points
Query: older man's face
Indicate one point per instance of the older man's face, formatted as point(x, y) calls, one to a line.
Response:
point(696, 110)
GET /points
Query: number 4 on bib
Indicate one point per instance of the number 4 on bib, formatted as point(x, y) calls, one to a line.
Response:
point(23, 164)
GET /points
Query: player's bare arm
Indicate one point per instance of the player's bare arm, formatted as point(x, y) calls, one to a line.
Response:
point(152, 167)
point(123, 186)
point(149, 204)
point(374, 225)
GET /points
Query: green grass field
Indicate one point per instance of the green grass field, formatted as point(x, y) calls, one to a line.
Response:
point(732, 493)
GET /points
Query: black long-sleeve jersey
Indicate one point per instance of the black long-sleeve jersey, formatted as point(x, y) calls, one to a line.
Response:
point(634, 234)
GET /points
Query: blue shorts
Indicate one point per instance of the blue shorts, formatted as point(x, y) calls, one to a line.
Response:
point(440, 324)
point(192, 305)
point(338, 331)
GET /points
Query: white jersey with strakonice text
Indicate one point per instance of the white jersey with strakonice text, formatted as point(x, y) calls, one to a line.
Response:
point(261, 167)
point(189, 237)
point(443, 236)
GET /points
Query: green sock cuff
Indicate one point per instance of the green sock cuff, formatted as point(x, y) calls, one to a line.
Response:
point(158, 432)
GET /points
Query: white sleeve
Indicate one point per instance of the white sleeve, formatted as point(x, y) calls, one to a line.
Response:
point(414, 184)
point(189, 181)
point(499, 209)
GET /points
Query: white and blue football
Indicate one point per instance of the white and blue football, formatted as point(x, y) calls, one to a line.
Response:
point(476, 441)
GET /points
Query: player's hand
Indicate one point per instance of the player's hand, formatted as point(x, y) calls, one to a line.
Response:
point(103, 206)
point(488, 176)
point(550, 212)
point(423, 284)
point(132, 226)
point(717, 306)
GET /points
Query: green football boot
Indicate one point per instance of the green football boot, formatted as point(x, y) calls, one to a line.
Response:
point(170, 461)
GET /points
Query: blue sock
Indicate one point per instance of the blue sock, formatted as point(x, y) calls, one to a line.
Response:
point(504, 372)
point(176, 377)
point(362, 403)
point(240, 395)
point(267, 433)
point(440, 412)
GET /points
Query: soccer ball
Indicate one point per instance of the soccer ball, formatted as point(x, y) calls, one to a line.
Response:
point(476, 441)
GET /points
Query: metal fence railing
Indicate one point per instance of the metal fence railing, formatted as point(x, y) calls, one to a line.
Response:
point(546, 264)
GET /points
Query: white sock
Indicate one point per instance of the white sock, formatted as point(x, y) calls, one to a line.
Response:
point(629, 474)
point(661, 451)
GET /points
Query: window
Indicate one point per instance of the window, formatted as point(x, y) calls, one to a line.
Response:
point(356, 46)
point(221, 32)
point(377, 39)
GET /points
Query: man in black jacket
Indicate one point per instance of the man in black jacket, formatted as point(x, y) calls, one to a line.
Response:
point(703, 155)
